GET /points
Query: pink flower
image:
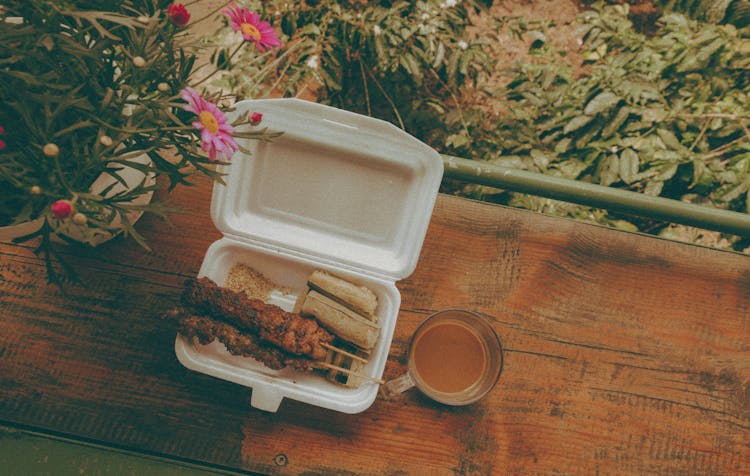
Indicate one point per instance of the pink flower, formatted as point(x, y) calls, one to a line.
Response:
point(61, 209)
point(255, 118)
point(2, 144)
point(178, 14)
point(216, 132)
point(249, 24)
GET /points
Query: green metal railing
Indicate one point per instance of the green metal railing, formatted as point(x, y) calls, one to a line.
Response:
point(597, 196)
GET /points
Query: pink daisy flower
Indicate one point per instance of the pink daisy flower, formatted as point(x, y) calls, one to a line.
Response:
point(216, 133)
point(249, 24)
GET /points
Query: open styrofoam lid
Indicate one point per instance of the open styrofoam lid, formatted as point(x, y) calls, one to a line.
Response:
point(345, 188)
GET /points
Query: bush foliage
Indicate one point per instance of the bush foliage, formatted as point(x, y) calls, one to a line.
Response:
point(396, 60)
point(663, 114)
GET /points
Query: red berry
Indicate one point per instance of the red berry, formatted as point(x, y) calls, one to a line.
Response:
point(61, 209)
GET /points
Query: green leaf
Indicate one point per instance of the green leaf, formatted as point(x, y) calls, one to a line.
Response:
point(666, 172)
point(608, 170)
point(654, 115)
point(624, 225)
point(439, 55)
point(457, 140)
point(563, 145)
point(629, 165)
point(669, 139)
point(590, 56)
point(614, 125)
point(577, 123)
point(541, 159)
point(735, 192)
point(602, 102)
point(330, 80)
point(570, 168)
point(653, 188)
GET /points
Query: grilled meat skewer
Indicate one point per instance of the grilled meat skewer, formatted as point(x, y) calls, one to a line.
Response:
point(292, 332)
point(206, 330)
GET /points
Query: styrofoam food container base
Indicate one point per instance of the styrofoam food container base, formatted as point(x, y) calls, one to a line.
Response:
point(336, 191)
point(270, 386)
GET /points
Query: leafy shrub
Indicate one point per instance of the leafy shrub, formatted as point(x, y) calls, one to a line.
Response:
point(401, 61)
point(663, 115)
point(87, 88)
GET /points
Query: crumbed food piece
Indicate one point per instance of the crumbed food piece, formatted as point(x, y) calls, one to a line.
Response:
point(292, 332)
point(254, 284)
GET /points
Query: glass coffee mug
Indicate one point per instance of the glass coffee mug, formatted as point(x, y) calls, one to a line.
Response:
point(455, 358)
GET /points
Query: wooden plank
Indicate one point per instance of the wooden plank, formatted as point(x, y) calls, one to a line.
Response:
point(624, 354)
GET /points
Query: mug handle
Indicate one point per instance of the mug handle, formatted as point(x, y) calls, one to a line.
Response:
point(397, 386)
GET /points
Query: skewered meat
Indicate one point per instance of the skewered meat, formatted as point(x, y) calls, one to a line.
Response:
point(206, 330)
point(292, 332)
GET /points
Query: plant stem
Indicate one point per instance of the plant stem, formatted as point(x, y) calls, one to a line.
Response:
point(700, 135)
point(387, 98)
point(721, 149)
point(210, 14)
point(142, 131)
point(744, 128)
point(278, 80)
point(216, 70)
point(714, 116)
point(455, 100)
point(364, 83)
point(275, 62)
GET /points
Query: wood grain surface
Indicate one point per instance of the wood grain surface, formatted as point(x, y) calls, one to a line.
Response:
point(624, 354)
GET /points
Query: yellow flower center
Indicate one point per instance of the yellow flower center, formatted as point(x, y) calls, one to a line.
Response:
point(250, 30)
point(209, 122)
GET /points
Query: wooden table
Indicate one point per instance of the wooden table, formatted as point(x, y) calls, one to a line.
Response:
point(624, 354)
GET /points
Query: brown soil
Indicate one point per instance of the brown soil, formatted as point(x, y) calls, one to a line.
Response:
point(558, 17)
point(509, 50)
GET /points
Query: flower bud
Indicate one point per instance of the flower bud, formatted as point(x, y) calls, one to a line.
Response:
point(106, 141)
point(35, 190)
point(163, 87)
point(51, 150)
point(62, 209)
point(139, 62)
point(255, 118)
point(178, 14)
point(80, 219)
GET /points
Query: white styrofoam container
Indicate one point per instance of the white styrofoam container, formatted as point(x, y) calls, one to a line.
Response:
point(336, 191)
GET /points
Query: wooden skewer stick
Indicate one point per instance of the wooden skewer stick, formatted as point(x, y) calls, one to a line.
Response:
point(343, 352)
point(349, 372)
